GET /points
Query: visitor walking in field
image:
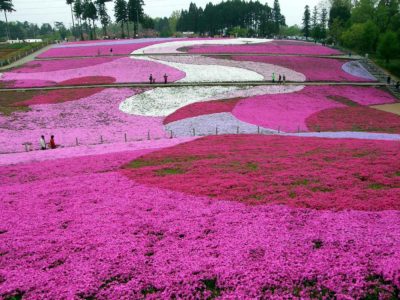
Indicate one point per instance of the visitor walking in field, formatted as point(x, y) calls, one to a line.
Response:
point(111, 51)
point(165, 78)
point(284, 78)
point(52, 143)
point(273, 77)
point(42, 143)
point(151, 78)
point(280, 78)
point(389, 80)
point(397, 85)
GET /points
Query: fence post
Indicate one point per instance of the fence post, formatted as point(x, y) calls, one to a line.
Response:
point(148, 135)
point(216, 130)
point(101, 139)
point(194, 131)
point(126, 138)
point(237, 130)
point(258, 129)
point(76, 140)
point(172, 134)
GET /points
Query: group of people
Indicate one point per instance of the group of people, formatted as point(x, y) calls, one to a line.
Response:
point(153, 80)
point(50, 145)
point(281, 78)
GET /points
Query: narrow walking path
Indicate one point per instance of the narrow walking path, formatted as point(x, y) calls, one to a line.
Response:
point(344, 57)
point(196, 84)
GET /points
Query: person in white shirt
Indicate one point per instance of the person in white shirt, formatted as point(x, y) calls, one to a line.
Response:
point(42, 143)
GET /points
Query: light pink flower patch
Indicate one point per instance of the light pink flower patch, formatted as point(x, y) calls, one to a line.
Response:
point(272, 48)
point(124, 70)
point(314, 68)
point(89, 120)
point(94, 49)
point(289, 112)
point(39, 66)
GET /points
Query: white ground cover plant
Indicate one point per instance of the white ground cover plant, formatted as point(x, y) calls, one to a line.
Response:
point(172, 47)
point(264, 69)
point(355, 68)
point(219, 123)
point(209, 73)
point(162, 102)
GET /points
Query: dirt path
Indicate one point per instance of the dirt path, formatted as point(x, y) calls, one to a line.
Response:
point(190, 84)
point(392, 108)
point(344, 57)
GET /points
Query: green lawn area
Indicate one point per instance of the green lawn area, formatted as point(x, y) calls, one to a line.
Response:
point(8, 51)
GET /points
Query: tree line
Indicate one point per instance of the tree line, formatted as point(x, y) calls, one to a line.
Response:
point(234, 17)
point(365, 26)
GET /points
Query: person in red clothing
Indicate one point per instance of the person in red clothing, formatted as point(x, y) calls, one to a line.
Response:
point(52, 143)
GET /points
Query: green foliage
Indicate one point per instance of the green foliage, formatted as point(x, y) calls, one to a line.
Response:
point(388, 46)
point(361, 37)
point(220, 19)
point(307, 21)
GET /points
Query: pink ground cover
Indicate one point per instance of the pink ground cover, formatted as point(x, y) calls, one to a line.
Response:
point(270, 48)
point(314, 68)
point(288, 112)
point(61, 64)
point(201, 109)
point(87, 119)
point(354, 119)
point(124, 70)
point(87, 231)
point(94, 50)
point(255, 169)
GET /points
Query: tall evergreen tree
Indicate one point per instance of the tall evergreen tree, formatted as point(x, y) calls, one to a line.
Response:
point(70, 3)
point(306, 21)
point(90, 12)
point(78, 11)
point(121, 14)
point(103, 15)
point(7, 6)
point(135, 14)
point(324, 21)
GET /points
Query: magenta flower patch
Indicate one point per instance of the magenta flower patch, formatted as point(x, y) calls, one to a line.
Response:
point(299, 172)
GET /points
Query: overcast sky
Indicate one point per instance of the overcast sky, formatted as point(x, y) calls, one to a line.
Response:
point(49, 11)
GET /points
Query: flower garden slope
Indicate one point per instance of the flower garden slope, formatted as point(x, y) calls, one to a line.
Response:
point(315, 68)
point(290, 112)
point(271, 48)
point(123, 70)
point(86, 231)
point(86, 119)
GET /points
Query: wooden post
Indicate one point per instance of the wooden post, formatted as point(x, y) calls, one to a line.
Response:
point(237, 131)
point(76, 140)
point(101, 139)
point(258, 129)
point(194, 131)
point(126, 138)
point(216, 130)
point(172, 134)
point(148, 135)
point(279, 129)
